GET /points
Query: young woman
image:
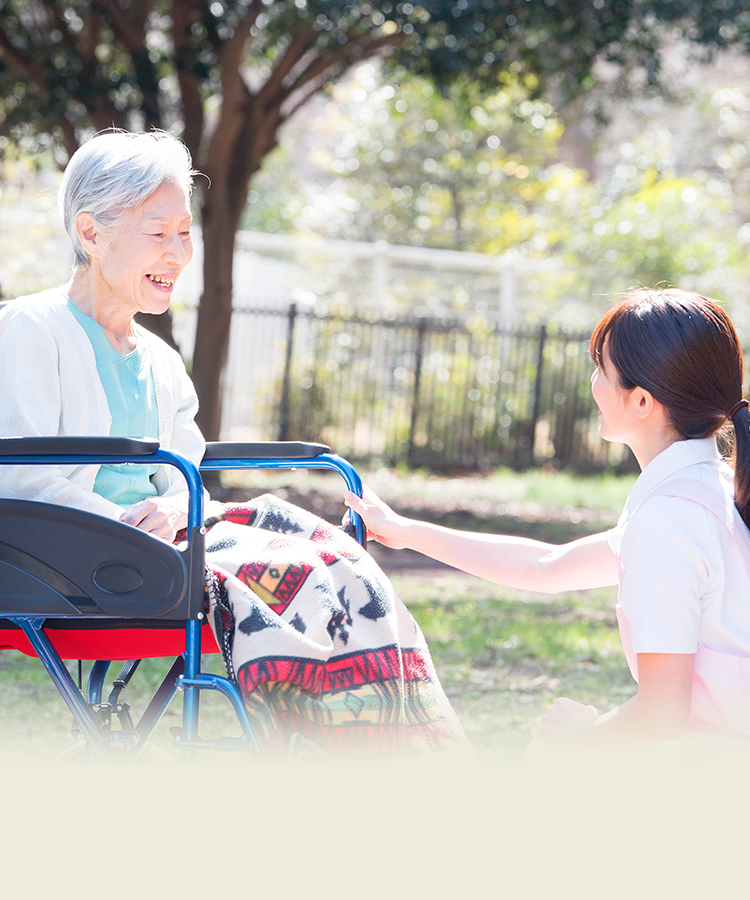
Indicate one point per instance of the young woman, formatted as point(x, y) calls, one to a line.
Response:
point(668, 379)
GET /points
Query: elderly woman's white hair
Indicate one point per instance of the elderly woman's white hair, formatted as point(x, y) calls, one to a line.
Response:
point(114, 172)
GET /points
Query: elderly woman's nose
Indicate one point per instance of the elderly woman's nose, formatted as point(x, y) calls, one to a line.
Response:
point(177, 249)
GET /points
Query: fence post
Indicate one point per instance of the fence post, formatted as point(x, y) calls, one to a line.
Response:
point(537, 392)
point(418, 354)
point(284, 404)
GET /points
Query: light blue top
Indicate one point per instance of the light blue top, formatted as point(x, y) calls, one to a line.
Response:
point(129, 387)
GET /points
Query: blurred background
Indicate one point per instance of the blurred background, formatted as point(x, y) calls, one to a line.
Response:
point(421, 212)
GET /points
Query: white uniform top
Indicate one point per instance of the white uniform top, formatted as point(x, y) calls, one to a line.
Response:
point(684, 581)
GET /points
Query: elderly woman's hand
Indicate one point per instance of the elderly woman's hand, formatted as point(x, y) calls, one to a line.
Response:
point(157, 516)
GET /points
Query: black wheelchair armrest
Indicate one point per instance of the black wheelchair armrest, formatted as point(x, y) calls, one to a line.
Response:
point(263, 450)
point(70, 444)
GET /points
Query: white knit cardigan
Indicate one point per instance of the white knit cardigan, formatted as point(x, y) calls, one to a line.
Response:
point(49, 385)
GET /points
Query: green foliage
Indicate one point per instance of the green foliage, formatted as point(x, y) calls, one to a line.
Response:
point(439, 169)
point(67, 66)
point(36, 251)
point(274, 199)
point(411, 165)
point(656, 227)
point(337, 395)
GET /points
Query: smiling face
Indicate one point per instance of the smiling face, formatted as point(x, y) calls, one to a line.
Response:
point(138, 263)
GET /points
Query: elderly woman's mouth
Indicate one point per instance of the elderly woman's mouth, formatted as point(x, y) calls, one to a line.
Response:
point(163, 281)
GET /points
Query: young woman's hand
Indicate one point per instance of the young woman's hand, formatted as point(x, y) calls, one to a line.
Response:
point(563, 718)
point(658, 712)
point(157, 516)
point(382, 523)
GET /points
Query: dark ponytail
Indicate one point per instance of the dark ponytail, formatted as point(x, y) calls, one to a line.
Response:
point(683, 349)
point(741, 462)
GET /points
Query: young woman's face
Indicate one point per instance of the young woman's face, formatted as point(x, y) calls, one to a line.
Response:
point(615, 413)
point(142, 259)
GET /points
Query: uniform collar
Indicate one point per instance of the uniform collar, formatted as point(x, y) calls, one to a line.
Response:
point(679, 455)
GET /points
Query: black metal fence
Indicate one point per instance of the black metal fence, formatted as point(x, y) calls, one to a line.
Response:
point(420, 392)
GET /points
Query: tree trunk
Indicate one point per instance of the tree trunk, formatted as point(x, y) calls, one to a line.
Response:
point(215, 310)
point(229, 172)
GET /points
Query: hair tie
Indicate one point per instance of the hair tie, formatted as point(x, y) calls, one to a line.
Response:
point(736, 408)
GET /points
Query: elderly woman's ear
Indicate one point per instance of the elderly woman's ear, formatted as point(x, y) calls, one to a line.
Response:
point(89, 234)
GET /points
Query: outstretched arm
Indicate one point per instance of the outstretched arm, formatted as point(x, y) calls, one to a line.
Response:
point(512, 561)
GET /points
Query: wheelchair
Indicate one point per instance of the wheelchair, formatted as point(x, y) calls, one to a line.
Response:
point(78, 586)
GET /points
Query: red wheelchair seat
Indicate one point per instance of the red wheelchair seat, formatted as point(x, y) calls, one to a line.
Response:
point(115, 639)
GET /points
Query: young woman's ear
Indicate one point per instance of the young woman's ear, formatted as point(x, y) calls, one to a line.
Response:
point(89, 234)
point(645, 404)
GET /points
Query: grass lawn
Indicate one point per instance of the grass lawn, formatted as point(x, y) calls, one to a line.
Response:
point(501, 655)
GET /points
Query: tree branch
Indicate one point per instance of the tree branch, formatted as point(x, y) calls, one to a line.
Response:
point(29, 67)
point(303, 98)
point(236, 96)
point(294, 52)
point(185, 15)
point(70, 139)
point(231, 56)
point(330, 60)
point(103, 112)
point(93, 30)
point(130, 33)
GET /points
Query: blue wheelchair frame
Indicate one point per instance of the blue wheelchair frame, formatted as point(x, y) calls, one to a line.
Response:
point(185, 674)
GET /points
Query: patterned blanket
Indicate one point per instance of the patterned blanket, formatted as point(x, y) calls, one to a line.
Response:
point(323, 650)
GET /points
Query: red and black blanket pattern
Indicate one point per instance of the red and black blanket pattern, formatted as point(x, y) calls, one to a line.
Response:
point(320, 645)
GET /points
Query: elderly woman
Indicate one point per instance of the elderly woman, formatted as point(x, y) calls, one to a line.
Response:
point(308, 626)
point(74, 362)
